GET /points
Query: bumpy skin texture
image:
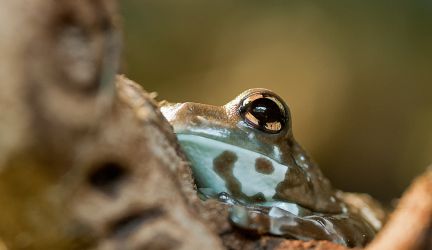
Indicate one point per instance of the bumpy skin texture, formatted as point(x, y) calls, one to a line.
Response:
point(304, 184)
point(225, 134)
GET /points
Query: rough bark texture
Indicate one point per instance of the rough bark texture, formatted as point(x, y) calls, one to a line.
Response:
point(88, 162)
point(410, 225)
point(128, 185)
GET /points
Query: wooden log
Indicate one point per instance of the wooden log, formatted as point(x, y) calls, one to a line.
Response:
point(131, 184)
point(410, 225)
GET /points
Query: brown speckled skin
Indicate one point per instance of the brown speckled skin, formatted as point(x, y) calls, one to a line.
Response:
point(332, 217)
point(305, 184)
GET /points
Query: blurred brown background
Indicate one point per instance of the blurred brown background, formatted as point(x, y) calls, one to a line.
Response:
point(357, 76)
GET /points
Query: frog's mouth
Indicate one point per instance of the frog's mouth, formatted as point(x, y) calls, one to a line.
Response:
point(222, 167)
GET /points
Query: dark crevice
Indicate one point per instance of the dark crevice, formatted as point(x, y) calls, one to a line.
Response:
point(107, 176)
point(126, 225)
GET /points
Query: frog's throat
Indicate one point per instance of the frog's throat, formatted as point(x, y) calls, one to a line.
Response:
point(222, 167)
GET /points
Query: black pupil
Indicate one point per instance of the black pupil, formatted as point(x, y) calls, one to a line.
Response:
point(265, 111)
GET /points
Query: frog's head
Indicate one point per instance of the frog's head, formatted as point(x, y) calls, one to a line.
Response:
point(246, 149)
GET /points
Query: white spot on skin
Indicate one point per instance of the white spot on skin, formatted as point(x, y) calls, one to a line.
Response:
point(251, 136)
point(344, 208)
point(290, 207)
point(277, 152)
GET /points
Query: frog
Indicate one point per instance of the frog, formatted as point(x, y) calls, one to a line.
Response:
point(244, 154)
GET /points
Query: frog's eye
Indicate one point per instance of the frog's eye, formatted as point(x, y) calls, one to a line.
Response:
point(264, 112)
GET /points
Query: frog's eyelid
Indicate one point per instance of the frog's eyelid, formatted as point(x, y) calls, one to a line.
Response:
point(250, 98)
point(256, 95)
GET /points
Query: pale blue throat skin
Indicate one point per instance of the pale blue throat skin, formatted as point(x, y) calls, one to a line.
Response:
point(244, 154)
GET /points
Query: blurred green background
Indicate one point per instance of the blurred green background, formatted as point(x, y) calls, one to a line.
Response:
point(357, 75)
